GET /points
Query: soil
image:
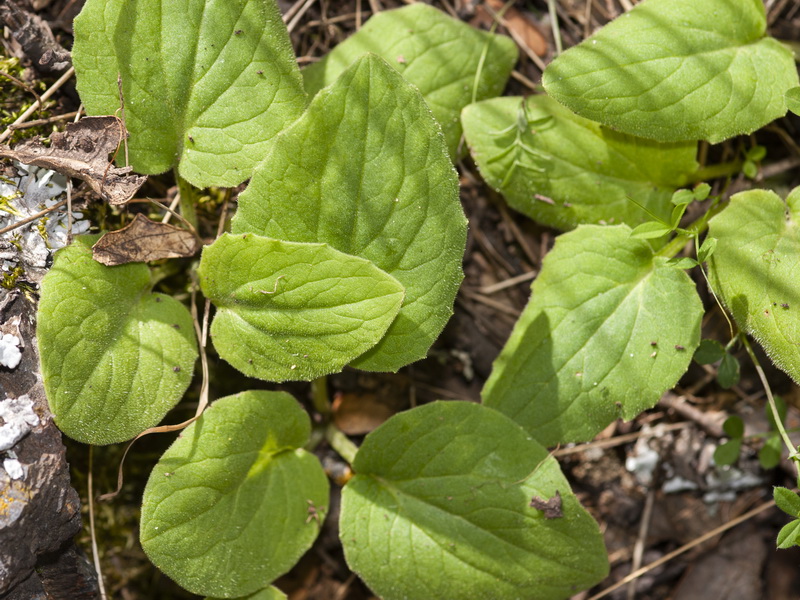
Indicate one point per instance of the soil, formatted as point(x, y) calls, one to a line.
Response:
point(644, 514)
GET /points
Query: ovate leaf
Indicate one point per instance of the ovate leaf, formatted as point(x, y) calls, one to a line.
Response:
point(787, 500)
point(608, 329)
point(562, 170)
point(289, 310)
point(206, 84)
point(444, 505)
point(450, 62)
point(228, 508)
point(709, 351)
point(678, 70)
point(115, 357)
point(789, 535)
point(754, 270)
point(365, 171)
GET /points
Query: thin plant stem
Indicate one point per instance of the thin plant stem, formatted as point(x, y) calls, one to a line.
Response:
point(188, 194)
point(793, 454)
point(27, 220)
point(35, 106)
point(551, 7)
point(92, 533)
point(319, 395)
point(341, 443)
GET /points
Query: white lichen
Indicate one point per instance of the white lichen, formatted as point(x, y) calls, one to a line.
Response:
point(18, 418)
point(10, 354)
point(32, 191)
point(12, 466)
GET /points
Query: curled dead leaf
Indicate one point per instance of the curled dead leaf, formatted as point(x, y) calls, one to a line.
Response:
point(144, 240)
point(82, 151)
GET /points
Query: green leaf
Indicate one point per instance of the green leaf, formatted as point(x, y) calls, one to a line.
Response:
point(682, 197)
point(750, 169)
point(677, 215)
point(294, 311)
point(701, 191)
point(770, 453)
point(754, 271)
point(707, 248)
point(728, 373)
point(793, 100)
point(365, 171)
point(206, 84)
point(440, 507)
point(115, 357)
point(563, 170)
point(682, 263)
point(789, 535)
point(757, 153)
point(733, 426)
point(650, 230)
point(270, 593)
point(227, 509)
point(728, 453)
point(608, 329)
point(676, 70)
point(787, 500)
point(709, 351)
point(443, 57)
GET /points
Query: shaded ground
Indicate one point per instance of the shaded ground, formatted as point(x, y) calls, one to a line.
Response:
point(641, 521)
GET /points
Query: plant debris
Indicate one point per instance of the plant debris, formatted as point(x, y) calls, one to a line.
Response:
point(144, 240)
point(82, 152)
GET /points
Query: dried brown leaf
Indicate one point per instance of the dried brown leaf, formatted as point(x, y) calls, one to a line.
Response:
point(82, 151)
point(357, 414)
point(524, 29)
point(144, 240)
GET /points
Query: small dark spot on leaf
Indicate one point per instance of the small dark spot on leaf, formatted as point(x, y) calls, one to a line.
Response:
point(784, 306)
point(238, 32)
point(679, 347)
point(250, 360)
point(191, 139)
point(158, 299)
point(176, 326)
point(654, 343)
point(551, 508)
point(260, 72)
point(176, 369)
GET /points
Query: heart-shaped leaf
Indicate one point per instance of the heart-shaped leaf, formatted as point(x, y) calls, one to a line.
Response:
point(453, 500)
point(366, 171)
point(206, 85)
point(289, 310)
point(563, 170)
point(450, 62)
point(754, 270)
point(676, 70)
point(115, 357)
point(608, 329)
point(235, 501)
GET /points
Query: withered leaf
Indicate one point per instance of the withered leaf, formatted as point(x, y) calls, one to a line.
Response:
point(144, 240)
point(551, 508)
point(82, 151)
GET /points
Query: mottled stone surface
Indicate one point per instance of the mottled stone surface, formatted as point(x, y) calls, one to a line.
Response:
point(39, 510)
